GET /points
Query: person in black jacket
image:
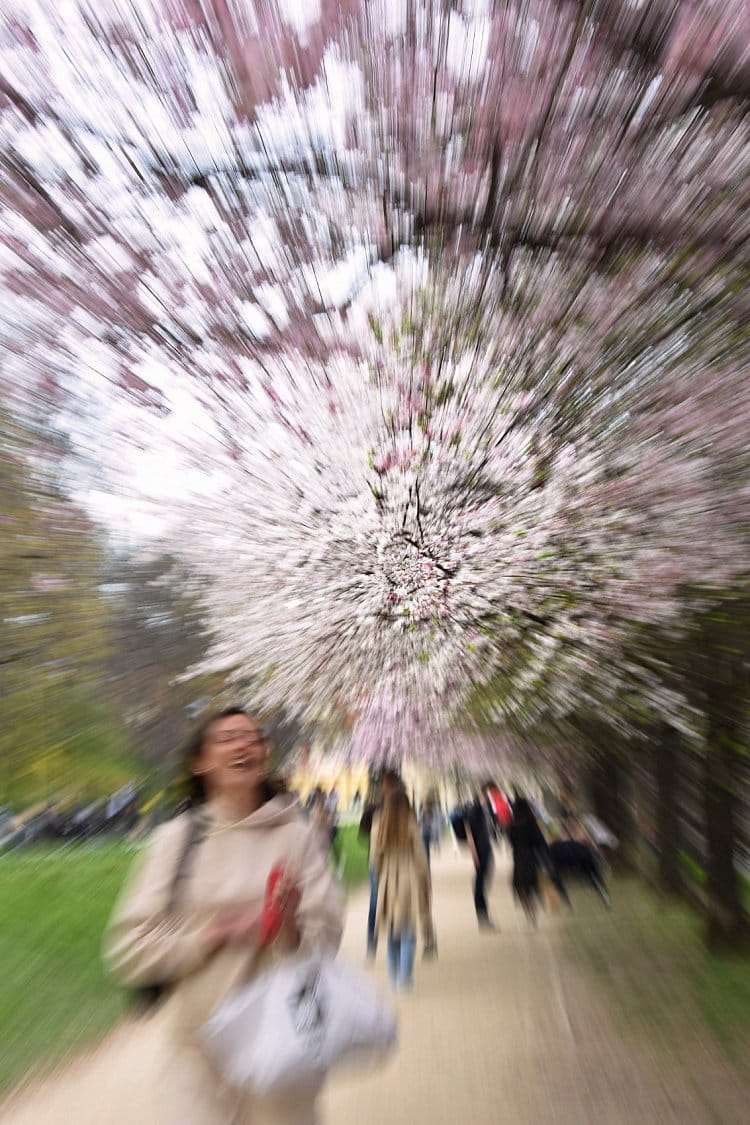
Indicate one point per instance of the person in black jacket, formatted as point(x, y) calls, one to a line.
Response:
point(479, 833)
point(528, 845)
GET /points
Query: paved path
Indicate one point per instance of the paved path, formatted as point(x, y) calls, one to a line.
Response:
point(500, 1029)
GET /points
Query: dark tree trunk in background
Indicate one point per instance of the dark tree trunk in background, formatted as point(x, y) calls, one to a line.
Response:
point(727, 922)
point(668, 817)
point(720, 678)
point(611, 789)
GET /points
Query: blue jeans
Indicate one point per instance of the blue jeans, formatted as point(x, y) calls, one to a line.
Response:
point(372, 917)
point(401, 950)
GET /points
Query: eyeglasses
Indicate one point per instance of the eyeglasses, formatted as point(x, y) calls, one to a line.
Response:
point(247, 738)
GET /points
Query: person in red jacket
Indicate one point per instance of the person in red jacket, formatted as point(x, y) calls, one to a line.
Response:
point(500, 806)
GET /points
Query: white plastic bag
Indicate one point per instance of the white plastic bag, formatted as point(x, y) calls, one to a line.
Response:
point(287, 1028)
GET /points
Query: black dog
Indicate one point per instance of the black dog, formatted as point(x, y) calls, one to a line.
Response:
point(570, 857)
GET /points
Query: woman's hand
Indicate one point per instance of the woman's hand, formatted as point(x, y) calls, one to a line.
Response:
point(280, 909)
point(244, 926)
point(233, 927)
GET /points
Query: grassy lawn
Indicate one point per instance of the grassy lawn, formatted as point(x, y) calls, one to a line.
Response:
point(650, 960)
point(356, 856)
point(54, 995)
point(54, 904)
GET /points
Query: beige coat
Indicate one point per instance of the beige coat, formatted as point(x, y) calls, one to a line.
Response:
point(228, 868)
point(403, 885)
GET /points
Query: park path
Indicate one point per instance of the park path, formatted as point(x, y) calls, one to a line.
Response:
point(501, 1028)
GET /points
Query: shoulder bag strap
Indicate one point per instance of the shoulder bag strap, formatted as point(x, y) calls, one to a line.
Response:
point(195, 834)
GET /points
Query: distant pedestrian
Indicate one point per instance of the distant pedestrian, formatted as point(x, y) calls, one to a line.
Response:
point(528, 845)
point(403, 879)
point(321, 821)
point(478, 827)
point(332, 808)
point(430, 825)
point(390, 783)
point(332, 803)
point(325, 825)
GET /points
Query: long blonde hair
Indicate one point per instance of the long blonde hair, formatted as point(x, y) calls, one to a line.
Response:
point(395, 828)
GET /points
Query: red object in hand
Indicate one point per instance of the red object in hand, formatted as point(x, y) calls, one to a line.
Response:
point(279, 889)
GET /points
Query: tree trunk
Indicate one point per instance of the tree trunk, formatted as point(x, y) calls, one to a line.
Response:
point(668, 822)
point(611, 793)
point(719, 673)
point(727, 922)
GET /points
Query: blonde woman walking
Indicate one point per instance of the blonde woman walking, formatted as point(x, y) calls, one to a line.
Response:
point(404, 891)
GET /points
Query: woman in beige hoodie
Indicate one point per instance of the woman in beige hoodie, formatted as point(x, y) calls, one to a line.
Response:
point(209, 941)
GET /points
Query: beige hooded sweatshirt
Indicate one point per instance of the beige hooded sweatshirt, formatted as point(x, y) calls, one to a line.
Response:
point(228, 868)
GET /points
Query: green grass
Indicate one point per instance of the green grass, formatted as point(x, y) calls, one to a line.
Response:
point(357, 856)
point(693, 870)
point(54, 994)
point(693, 873)
point(650, 959)
point(698, 875)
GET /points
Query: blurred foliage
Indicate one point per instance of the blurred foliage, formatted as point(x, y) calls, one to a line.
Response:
point(54, 634)
point(157, 636)
point(92, 646)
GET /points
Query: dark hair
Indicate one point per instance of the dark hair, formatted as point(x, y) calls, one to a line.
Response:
point(391, 775)
point(194, 791)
